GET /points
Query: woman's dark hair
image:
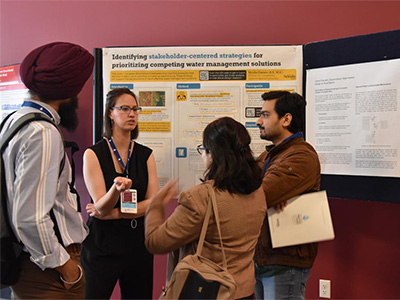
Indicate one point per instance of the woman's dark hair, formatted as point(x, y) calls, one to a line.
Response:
point(233, 166)
point(291, 103)
point(112, 98)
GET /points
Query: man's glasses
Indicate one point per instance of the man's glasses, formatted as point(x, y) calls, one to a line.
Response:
point(200, 149)
point(127, 109)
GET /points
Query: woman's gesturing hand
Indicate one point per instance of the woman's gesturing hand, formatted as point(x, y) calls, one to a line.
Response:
point(122, 183)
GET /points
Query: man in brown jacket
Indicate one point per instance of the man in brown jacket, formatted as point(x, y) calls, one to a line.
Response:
point(291, 167)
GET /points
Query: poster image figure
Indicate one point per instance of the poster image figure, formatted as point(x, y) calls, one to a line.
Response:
point(152, 98)
point(159, 98)
point(181, 96)
point(145, 98)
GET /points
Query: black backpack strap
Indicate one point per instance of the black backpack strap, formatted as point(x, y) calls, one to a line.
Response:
point(55, 227)
point(4, 214)
point(74, 148)
point(21, 122)
point(5, 120)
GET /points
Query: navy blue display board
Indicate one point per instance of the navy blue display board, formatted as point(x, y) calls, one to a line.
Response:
point(98, 95)
point(354, 50)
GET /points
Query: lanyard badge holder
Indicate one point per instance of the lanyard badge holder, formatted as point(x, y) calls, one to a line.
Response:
point(129, 201)
point(128, 197)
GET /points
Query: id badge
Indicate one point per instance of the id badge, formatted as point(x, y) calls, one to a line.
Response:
point(129, 201)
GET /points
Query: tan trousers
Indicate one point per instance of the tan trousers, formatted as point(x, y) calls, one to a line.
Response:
point(33, 283)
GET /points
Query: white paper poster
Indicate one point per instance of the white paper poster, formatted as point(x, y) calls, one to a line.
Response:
point(353, 118)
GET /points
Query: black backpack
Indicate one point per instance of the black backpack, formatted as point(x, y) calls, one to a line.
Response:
point(10, 247)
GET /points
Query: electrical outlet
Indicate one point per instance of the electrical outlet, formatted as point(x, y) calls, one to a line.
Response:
point(324, 288)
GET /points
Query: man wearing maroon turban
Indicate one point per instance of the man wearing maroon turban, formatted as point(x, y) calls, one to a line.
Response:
point(42, 206)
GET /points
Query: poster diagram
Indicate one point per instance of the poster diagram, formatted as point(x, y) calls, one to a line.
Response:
point(182, 89)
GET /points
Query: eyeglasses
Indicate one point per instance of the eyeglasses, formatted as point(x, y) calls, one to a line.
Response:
point(127, 109)
point(200, 149)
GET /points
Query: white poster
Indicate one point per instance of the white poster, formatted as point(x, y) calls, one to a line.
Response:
point(353, 118)
point(182, 89)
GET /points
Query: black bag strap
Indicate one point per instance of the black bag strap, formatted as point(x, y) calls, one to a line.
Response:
point(5, 120)
point(21, 122)
point(4, 215)
point(212, 203)
point(8, 135)
point(74, 148)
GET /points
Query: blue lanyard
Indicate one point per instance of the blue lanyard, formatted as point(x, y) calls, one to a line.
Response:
point(266, 164)
point(39, 107)
point(296, 135)
point(125, 167)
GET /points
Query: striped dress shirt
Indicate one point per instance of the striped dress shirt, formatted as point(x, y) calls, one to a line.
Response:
point(34, 187)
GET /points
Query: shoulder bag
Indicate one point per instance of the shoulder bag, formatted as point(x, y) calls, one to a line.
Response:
point(197, 277)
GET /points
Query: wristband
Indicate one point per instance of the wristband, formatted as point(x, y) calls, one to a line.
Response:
point(76, 281)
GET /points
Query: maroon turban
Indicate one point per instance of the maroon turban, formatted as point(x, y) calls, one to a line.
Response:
point(57, 70)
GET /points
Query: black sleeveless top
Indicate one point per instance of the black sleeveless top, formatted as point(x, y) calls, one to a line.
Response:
point(137, 170)
point(117, 245)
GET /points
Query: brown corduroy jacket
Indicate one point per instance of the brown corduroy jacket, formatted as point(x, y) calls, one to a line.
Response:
point(293, 169)
point(241, 218)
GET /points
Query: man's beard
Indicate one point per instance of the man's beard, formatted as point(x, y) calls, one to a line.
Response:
point(67, 112)
point(267, 136)
point(263, 135)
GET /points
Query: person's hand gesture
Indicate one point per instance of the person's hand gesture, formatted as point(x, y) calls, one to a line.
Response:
point(167, 193)
point(122, 183)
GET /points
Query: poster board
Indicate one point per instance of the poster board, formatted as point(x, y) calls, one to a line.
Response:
point(182, 89)
point(339, 74)
point(12, 90)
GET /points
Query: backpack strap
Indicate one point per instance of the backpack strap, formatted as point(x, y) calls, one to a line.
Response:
point(8, 135)
point(5, 120)
point(21, 122)
point(74, 148)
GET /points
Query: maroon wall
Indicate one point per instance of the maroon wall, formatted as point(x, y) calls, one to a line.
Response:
point(363, 261)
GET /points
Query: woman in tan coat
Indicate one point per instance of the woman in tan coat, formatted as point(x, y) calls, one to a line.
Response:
point(236, 178)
